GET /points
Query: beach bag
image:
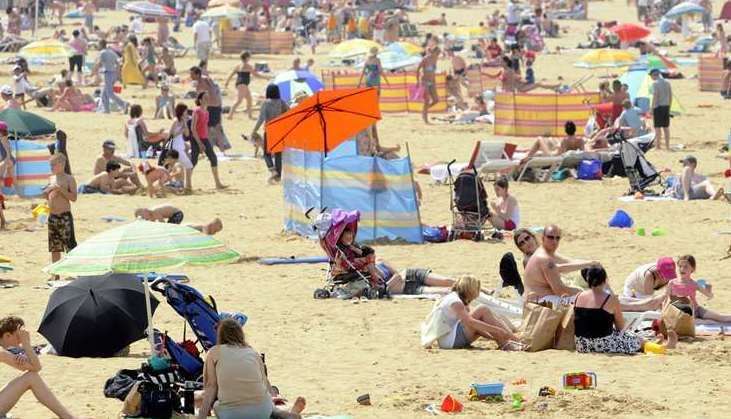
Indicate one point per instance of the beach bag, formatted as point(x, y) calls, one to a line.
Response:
point(538, 329)
point(674, 318)
point(565, 332)
point(119, 386)
point(437, 234)
point(132, 402)
point(589, 170)
point(416, 93)
point(156, 401)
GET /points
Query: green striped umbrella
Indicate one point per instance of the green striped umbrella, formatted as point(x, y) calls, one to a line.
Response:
point(142, 246)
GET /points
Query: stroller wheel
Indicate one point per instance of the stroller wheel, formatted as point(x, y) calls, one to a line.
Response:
point(451, 235)
point(477, 237)
point(321, 294)
point(372, 293)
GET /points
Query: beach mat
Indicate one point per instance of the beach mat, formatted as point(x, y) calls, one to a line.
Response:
point(293, 260)
point(630, 198)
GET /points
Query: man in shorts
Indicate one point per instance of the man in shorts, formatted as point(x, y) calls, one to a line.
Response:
point(413, 281)
point(691, 185)
point(213, 93)
point(662, 98)
point(60, 193)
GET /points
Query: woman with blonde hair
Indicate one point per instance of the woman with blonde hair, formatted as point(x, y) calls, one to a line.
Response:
point(234, 377)
point(457, 325)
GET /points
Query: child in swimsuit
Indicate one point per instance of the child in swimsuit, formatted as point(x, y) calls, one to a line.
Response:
point(154, 176)
point(684, 290)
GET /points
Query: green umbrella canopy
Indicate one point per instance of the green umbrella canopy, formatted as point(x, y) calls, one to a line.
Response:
point(26, 124)
point(142, 246)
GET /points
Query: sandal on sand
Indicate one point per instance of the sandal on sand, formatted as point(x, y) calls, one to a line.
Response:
point(513, 346)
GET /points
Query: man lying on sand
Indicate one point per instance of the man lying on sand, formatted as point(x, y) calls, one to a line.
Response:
point(544, 268)
point(126, 172)
point(108, 182)
point(169, 214)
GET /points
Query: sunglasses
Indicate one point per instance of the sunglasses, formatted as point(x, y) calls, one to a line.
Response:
point(556, 238)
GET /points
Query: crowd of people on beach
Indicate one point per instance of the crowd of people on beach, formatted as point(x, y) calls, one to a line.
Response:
point(159, 162)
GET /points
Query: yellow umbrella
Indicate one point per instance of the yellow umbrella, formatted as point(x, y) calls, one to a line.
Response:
point(218, 3)
point(224, 12)
point(606, 58)
point(470, 32)
point(46, 49)
point(352, 48)
point(410, 48)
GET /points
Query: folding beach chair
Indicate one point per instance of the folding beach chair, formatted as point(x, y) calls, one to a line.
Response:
point(578, 85)
point(491, 158)
point(542, 166)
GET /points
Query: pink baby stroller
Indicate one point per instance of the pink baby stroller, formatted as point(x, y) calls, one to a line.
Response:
point(349, 274)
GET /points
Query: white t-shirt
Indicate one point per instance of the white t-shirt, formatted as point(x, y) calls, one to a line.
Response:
point(634, 284)
point(450, 318)
point(311, 13)
point(513, 14)
point(137, 25)
point(202, 31)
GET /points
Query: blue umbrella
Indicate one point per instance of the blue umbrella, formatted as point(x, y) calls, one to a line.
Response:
point(293, 82)
point(684, 8)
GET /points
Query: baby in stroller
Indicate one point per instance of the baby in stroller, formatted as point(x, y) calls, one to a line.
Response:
point(353, 271)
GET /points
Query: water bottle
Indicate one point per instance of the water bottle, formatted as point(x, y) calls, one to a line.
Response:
point(702, 283)
point(189, 397)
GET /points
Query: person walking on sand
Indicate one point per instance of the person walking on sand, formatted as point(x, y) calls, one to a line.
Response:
point(426, 78)
point(16, 351)
point(203, 83)
point(178, 133)
point(199, 134)
point(662, 98)
point(373, 71)
point(272, 107)
point(243, 72)
point(108, 65)
point(60, 193)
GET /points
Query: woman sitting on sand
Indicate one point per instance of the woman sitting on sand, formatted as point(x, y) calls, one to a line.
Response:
point(453, 325)
point(138, 136)
point(17, 352)
point(70, 100)
point(505, 213)
point(599, 322)
point(235, 379)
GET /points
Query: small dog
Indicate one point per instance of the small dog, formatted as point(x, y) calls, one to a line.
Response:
point(257, 141)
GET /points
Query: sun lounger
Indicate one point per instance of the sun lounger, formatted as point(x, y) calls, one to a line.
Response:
point(490, 158)
point(543, 165)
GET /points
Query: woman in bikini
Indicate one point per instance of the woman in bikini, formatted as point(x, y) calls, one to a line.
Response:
point(426, 76)
point(373, 71)
point(70, 100)
point(243, 73)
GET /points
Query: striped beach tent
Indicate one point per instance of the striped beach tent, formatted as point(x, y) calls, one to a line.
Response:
point(544, 114)
point(382, 190)
point(394, 95)
point(31, 168)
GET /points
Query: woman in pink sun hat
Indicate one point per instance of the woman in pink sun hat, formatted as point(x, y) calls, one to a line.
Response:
point(640, 286)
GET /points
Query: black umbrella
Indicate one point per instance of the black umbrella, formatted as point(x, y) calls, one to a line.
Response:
point(96, 316)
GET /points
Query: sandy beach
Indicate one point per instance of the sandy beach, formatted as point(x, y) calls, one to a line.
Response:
point(332, 351)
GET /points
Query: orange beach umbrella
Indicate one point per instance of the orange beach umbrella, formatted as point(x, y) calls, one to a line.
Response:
point(324, 120)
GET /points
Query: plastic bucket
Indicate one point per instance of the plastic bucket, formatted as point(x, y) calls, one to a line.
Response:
point(117, 88)
point(621, 219)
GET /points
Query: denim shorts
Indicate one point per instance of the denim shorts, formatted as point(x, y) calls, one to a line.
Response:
point(460, 339)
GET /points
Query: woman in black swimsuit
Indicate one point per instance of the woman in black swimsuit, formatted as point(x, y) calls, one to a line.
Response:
point(243, 73)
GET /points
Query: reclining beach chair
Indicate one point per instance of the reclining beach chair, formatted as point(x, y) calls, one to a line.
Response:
point(541, 166)
point(179, 50)
point(491, 158)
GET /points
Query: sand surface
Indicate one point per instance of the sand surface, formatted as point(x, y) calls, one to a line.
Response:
point(332, 351)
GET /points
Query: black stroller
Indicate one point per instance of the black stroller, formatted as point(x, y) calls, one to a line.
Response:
point(631, 162)
point(468, 205)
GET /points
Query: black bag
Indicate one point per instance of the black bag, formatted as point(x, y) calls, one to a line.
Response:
point(157, 401)
point(120, 385)
point(164, 152)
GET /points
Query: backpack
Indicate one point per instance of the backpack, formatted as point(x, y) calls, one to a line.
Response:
point(156, 401)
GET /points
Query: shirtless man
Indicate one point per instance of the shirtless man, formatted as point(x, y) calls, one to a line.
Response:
point(128, 172)
point(108, 181)
point(60, 193)
point(554, 147)
point(544, 268)
point(204, 83)
point(172, 215)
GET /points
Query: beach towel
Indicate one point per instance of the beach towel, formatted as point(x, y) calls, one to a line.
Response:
point(631, 198)
point(703, 328)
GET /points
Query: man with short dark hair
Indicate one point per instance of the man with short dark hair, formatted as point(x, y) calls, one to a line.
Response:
point(691, 185)
point(662, 98)
point(108, 154)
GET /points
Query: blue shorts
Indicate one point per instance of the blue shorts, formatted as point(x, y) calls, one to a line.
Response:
point(460, 340)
